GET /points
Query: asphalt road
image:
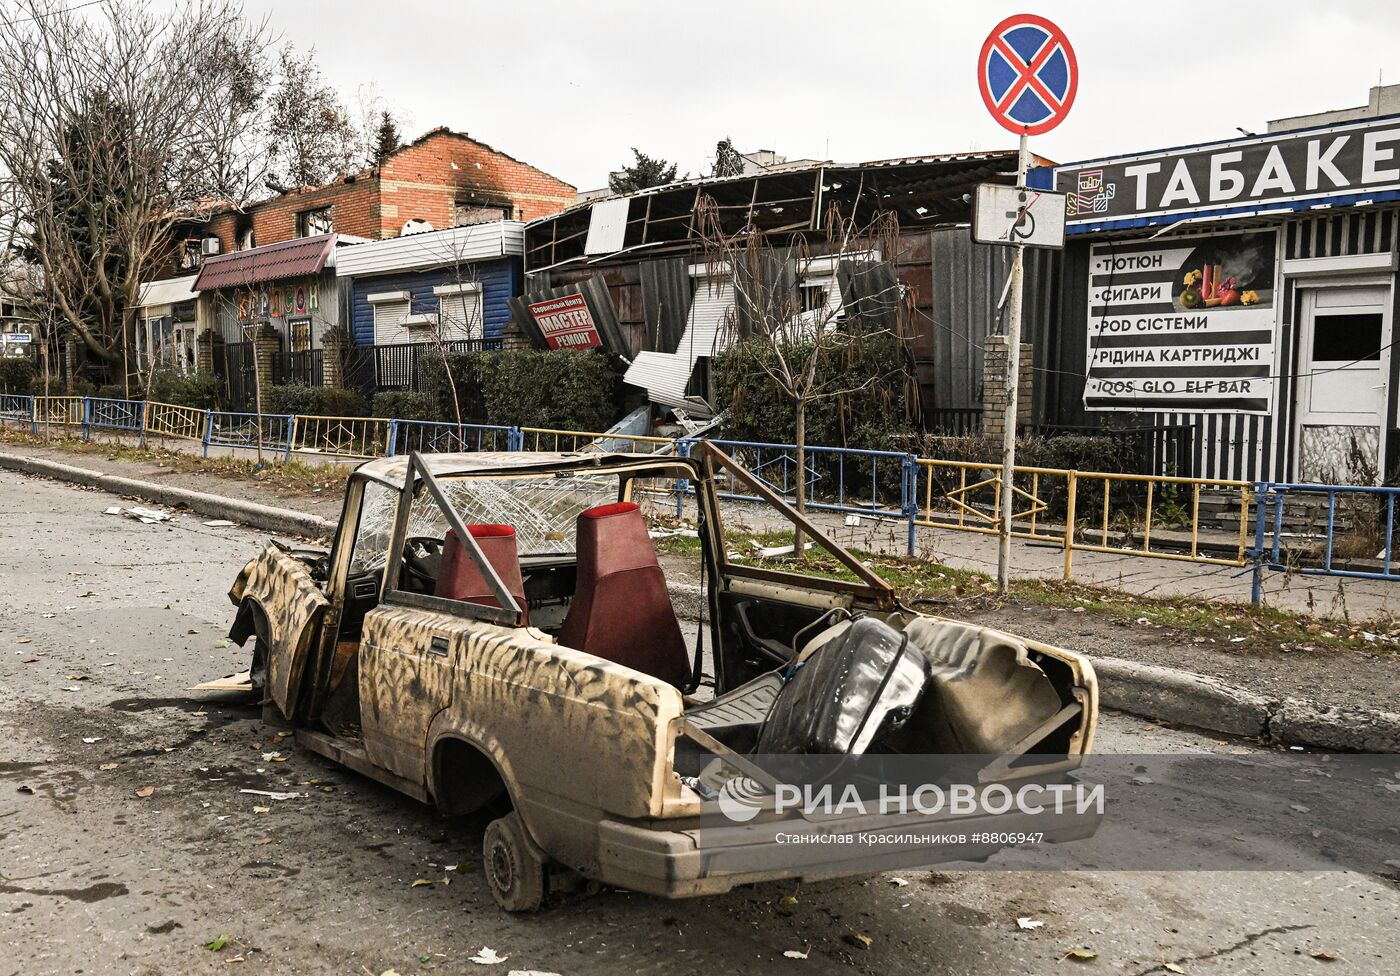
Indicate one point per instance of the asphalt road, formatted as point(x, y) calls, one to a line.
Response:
point(105, 624)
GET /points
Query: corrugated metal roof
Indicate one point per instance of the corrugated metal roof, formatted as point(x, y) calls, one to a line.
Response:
point(433, 249)
point(285, 259)
point(790, 171)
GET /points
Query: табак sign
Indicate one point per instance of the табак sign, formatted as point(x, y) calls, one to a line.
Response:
point(1354, 158)
point(1182, 325)
point(566, 323)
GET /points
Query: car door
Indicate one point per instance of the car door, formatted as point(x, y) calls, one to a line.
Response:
point(293, 605)
point(407, 657)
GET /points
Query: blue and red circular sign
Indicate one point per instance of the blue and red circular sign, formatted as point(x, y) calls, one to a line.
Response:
point(1027, 74)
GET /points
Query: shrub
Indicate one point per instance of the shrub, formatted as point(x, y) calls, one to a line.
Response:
point(561, 388)
point(875, 418)
point(400, 405)
point(468, 371)
point(187, 389)
point(17, 375)
point(313, 401)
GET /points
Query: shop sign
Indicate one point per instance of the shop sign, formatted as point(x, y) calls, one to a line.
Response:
point(1182, 325)
point(1311, 164)
point(566, 322)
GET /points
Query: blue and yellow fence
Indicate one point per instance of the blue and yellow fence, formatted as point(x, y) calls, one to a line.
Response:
point(1156, 517)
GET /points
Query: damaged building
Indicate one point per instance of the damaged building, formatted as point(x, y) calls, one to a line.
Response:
point(628, 274)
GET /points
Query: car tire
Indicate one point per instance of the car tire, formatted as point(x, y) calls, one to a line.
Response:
point(513, 866)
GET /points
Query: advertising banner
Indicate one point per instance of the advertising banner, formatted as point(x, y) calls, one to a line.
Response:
point(1182, 325)
point(566, 323)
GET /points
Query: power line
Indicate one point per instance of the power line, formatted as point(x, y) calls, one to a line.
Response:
point(51, 13)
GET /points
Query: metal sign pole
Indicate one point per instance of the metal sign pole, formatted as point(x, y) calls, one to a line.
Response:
point(1013, 376)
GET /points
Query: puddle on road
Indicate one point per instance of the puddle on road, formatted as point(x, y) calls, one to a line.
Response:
point(93, 892)
point(11, 770)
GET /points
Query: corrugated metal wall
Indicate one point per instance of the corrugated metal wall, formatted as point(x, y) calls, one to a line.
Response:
point(500, 281)
point(968, 281)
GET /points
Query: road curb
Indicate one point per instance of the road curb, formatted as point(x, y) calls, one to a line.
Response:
point(253, 514)
point(1182, 697)
point(1147, 690)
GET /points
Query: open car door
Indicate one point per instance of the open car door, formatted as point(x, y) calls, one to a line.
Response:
point(280, 588)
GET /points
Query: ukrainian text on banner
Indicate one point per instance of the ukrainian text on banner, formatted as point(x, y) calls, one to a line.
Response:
point(1182, 325)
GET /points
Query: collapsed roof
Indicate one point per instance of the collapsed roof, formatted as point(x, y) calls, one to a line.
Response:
point(925, 191)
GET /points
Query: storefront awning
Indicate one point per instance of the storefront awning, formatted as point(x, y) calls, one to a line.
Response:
point(168, 291)
point(286, 259)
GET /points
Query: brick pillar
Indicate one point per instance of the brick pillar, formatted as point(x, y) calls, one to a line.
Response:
point(994, 358)
point(266, 343)
point(333, 342)
point(204, 351)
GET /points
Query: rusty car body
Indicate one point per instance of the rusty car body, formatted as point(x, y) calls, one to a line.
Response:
point(494, 631)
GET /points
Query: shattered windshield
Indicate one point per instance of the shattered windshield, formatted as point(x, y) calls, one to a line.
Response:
point(542, 510)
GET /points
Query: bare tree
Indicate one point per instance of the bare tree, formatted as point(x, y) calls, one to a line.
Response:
point(802, 307)
point(312, 136)
point(115, 120)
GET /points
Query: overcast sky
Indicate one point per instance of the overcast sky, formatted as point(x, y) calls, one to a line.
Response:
point(570, 86)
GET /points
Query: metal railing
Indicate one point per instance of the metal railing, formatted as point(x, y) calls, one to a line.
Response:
point(123, 416)
point(306, 366)
point(568, 441)
point(1150, 516)
point(16, 408)
point(354, 437)
point(398, 366)
point(431, 436)
point(249, 431)
point(174, 420)
point(64, 411)
point(837, 479)
point(1355, 540)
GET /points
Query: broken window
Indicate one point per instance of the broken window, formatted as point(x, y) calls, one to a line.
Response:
point(470, 212)
point(311, 223)
point(1347, 338)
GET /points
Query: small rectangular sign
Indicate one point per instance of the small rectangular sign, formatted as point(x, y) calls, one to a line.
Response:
point(1018, 215)
point(566, 323)
point(17, 337)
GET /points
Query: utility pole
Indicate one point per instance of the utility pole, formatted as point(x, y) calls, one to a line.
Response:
point(1013, 376)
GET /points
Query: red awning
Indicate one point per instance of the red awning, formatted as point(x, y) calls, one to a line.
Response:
point(286, 259)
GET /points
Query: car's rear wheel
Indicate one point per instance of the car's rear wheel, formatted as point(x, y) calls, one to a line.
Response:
point(513, 866)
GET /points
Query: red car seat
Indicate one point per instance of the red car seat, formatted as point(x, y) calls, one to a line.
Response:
point(458, 577)
point(622, 610)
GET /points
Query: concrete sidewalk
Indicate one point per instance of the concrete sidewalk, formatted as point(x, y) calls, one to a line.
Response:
point(1355, 600)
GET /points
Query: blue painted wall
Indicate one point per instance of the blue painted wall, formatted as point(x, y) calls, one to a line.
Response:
point(501, 280)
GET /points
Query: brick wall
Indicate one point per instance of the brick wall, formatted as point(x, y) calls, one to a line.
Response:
point(425, 179)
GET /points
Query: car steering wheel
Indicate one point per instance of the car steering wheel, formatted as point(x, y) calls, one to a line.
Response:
point(417, 551)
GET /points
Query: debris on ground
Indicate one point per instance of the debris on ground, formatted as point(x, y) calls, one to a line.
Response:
point(487, 956)
point(219, 523)
point(795, 954)
point(273, 794)
point(1029, 923)
point(1081, 955)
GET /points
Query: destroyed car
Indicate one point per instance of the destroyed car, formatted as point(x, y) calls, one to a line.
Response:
point(494, 631)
